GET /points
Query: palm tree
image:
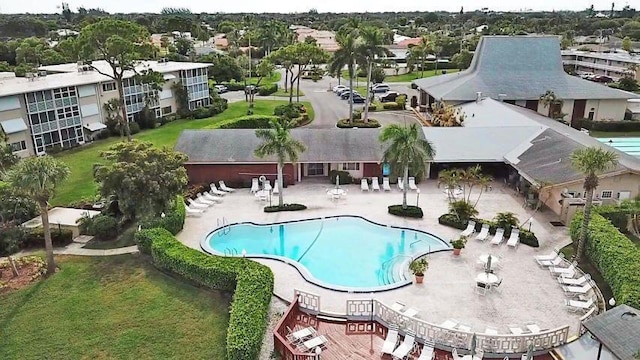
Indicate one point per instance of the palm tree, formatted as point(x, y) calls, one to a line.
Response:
point(590, 161)
point(346, 55)
point(278, 141)
point(37, 178)
point(371, 48)
point(408, 150)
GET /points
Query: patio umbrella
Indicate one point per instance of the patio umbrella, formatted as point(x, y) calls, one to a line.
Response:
point(530, 352)
point(473, 345)
point(488, 267)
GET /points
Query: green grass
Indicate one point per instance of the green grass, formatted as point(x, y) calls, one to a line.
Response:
point(589, 268)
point(282, 93)
point(396, 78)
point(80, 183)
point(614, 134)
point(112, 308)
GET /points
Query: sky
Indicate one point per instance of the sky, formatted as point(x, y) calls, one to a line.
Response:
point(288, 6)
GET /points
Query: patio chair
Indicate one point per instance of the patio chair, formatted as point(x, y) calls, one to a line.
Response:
point(400, 183)
point(484, 233)
point(548, 257)
point(471, 228)
point(214, 190)
point(516, 330)
point(449, 324)
point(554, 262)
point(577, 305)
point(193, 212)
point(202, 200)
point(267, 185)
point(405, 347)
point(465, 328)
point(576, 290)
point(566, 272)
point(514, 238)
point(276, 188)
point(385, 184)
point(410, 312)
point(215, 199)
point(390, 342)
point(318, 341)
point(364, 185)
point(255, 185)
point(375, 185)
point(397, 306)
point(481, 288)
point(412, 183)
point(196, 205)
point(498, 237)
point(224, 187)
point(574, 282)
point(428, 351)
point(533, 327)
point(302, 334)
point(491, 331)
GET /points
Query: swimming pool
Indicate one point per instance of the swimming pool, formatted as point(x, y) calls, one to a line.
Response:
point(346, 253)
point(629, 145)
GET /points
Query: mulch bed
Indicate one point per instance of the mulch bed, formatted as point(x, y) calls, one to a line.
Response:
point(30, 271)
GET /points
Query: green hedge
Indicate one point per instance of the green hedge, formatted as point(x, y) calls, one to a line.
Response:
point(526, 237)
point(250, 122)
point(252, 282)
point(345, 124)
point(59, 237)
point(410, 211)
point(265, 90)
point(616, 257)
point(619, 217)
point(173, 220)
point(285, 207)
point(392, 106)
point(618, 126)
point(345, 177)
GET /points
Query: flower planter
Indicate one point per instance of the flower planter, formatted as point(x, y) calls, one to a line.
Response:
point(456, 252)
point(419, 279)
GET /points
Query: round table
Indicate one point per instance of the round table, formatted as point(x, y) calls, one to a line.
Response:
point(485, 257)
point(336, 192)
point(487, 278)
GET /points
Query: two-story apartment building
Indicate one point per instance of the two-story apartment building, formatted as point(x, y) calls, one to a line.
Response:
point(62, 105)
point(614, 65)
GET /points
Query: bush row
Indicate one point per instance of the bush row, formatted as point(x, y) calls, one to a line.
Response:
point(13, 239)
point(392, 106)
point(269, 89)
point(345, 124)
point(620, 126)
point(250, 122)
point(219, 105)
point(253, 284)
point(285, 207)
point(101, 226)
point(173, 221)
point(616, 257)
point(345, 177)
point(410, 211)
point(526, 237)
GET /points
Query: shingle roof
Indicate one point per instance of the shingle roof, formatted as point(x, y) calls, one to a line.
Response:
point(521, 68)
point(617, 329)
point(323, 145)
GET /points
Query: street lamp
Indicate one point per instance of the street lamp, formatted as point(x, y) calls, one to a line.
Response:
point(417, 197)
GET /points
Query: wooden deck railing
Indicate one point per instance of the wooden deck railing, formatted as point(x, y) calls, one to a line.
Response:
point(286, 350)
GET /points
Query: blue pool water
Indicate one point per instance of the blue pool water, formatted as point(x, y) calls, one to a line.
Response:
point(344, 251)
point(629, 145)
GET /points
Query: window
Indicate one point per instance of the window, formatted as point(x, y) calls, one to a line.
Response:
point(315, 169)
point(110, 86)
point(166, 110)
point(350, 166)
point(18, 146)
point(606, 194)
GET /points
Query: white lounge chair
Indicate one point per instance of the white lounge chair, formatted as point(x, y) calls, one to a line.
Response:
point(554, 262)
point(514, 238)
point(224, 187)
point(484, 233)
point(412, 183)
point(255, 185)
point(577, 305)
point(193, 212)
point(498, 237)
point(410, 312)
point(471, 228)
point(575, 290)
point(276, 188)
point(566, 272)
point(400, 183)
point(574, 282)
point(491, 331)
point(202, 200)
point(548, 257)
point(375, 185)
point(405, 347)
point(533, 327)
point(196, 205)
point(515, 329)
point(210, 197)
point(301, 334)
point(427, 352)
point(313, 343)
point(397, 306)
point(449, 324)
point(385, 184)
point(364, 185)
point(214, 190)
point(390, 342)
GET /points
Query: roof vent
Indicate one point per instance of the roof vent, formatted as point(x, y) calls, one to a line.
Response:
point(478, 96)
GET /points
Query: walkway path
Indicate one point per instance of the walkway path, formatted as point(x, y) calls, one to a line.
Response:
point(76, 248)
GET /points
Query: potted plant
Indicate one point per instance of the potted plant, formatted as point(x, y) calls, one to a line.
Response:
point(458, 244)
point(418, 267)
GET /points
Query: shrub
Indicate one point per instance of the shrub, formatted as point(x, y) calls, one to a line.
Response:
point(618, 216)
point(345, 177)
point(462, 209)
point(392, 106)
point(619, 126)
point(234, 86)
point(195, 189)
point(289, 111)
point(173, 220)
point(253, 284)
point(250, 122)
point(11, 239)
point(267, 89)
point(146, 118)
point(377, 75)
point(526, 237)
point(410, 211)
point(372, 107)
point(401, 101)
point(285, 207)
point(345, 124)
point(102, 227)
point(506, 220)
point(200, 113)
point(452, 221)
point(616, 257)
point(357, 115)
point(59, 237)
point(102, 134)
point(134, 128)
point(218, 105)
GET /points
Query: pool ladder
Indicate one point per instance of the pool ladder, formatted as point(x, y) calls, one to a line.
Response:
point(223, 225)
point(230, 252)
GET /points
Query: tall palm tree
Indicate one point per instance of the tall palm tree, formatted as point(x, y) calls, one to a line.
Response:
point(278, 141)
point(591, 162)
point(346, 55)
point(37, 178)
point(370, 49)
point(407, 150)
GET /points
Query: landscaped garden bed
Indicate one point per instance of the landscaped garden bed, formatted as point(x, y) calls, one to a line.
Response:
point(29, 268)
point(345, 124)
point(285, 207)
point(410, 211)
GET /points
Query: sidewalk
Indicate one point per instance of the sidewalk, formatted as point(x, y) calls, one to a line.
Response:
point(76, 248)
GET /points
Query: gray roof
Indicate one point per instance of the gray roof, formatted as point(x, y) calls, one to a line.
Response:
point(13, 126)
point(323, 145)
point(521, 68)
point(618, 330)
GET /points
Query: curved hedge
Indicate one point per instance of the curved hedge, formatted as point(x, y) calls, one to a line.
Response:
point(284, 207)
point(250, 122)
point(410, 211)
point(173, 220)
point(526, 237)
point(615, 256)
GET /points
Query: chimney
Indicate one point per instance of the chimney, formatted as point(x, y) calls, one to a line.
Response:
point(478, 96)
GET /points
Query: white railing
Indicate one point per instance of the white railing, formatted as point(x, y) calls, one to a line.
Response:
point(310, 303)
point(360, 310)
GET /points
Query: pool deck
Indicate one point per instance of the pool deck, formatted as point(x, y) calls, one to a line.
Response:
point(528, 293)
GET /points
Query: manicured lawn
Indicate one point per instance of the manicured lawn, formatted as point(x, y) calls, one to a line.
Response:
point(80, 183)
point(395, 78)
point(614, 134)
point(282, 93)
point(112, 308)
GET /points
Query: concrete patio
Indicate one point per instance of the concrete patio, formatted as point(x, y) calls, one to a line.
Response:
point(528, 292)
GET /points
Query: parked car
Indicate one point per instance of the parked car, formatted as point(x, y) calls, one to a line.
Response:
point(347, 94)
point(340, 92)
point(250, 89)
point(602, 79)
point(338, 88)
point(380, 88)
point(389, 97)
point(221, 89)
point(358, 99)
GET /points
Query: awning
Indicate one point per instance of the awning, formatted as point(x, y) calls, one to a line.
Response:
point(13, 126)
point(95, 126)
point(168, 76)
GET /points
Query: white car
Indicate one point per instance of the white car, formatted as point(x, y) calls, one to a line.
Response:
point(380, 88)
point(338, 88)
point(221, 89)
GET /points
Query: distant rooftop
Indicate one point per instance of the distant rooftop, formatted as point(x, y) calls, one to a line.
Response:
point(618, 330)
point(617, 56)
